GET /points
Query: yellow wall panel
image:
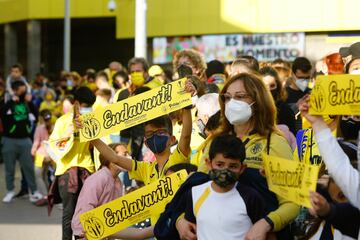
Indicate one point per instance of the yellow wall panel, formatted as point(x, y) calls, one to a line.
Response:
point(202, 15)
point(15, 10)
point(125, 20)
point(197, 17)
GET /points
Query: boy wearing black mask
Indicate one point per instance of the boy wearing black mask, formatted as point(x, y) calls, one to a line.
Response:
point(16, 140)
point(223, 208)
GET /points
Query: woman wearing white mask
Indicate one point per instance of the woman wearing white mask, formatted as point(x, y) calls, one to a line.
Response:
point(248, 110)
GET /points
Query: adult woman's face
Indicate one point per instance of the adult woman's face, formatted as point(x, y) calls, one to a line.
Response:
point(237, 91)
point(237, 103)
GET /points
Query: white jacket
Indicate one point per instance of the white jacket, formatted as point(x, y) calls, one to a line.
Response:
point(339, 166)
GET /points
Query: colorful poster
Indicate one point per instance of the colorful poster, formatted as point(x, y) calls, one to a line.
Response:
point(134, 207)
point(264, 47)
point(135, 110)
point(58, 148)
point(291, 180)
point(336, 95)
point(267, 47)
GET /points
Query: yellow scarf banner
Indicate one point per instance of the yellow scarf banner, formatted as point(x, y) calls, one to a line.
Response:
point(134, 207)
point(291, 180)
point(135, 110)
point(307, 150)
point(336, 95)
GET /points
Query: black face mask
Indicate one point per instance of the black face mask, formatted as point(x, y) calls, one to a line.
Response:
point(223, 177)
point(350, 129)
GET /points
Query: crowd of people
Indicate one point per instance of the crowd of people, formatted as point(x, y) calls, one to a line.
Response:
point(240, 111)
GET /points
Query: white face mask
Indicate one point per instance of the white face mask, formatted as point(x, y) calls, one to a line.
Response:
point(355, 72)
point(85, 110)
point(302, 84)
point(238, 112)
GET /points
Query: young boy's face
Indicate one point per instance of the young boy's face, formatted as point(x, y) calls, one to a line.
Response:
point(15, 72)
point(219, 162)
point(158, 139)
point(224, 172)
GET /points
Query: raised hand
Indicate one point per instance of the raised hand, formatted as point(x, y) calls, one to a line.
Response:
point(190, 88)
point(304, 106)
point(320, 206)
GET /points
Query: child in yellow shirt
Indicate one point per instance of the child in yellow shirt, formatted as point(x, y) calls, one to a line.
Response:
point(49, 101)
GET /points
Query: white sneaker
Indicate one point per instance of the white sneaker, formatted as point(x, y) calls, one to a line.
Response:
point(36, 196)
point(8, 197)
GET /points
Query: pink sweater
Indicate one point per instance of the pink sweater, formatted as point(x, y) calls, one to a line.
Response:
point(100, 188)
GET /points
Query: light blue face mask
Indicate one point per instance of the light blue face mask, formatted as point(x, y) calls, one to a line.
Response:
point(302, 83)
point(85, 110)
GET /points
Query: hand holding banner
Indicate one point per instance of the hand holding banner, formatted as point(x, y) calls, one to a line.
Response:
point(135, 110)
point(291, 180)
point(336, 95)
point(136, 206)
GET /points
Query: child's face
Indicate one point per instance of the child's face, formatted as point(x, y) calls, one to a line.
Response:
point(335, 193)
point(48, 97)
point(220, 162)
point(158, 139)
point(225, 172)
point(121, 150)
point(15, 72)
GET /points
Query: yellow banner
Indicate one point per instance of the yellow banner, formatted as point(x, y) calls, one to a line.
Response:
point(336, 95)
point(291, 180)
point(134, 207)
point(135, 110)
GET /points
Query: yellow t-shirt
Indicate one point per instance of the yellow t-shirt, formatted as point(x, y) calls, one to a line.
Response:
point(48, 105)
point(148, 172)
point(78, 155)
